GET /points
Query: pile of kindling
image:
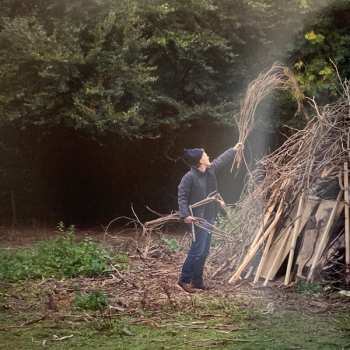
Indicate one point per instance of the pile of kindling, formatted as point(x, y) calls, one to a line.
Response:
point(294, 214)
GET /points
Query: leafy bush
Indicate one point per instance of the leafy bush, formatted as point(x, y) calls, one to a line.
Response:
point(93, 301)
point(61, 257)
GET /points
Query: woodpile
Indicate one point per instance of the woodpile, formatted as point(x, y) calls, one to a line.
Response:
point(294, 213)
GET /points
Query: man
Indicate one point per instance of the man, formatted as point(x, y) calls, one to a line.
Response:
point(195, 186)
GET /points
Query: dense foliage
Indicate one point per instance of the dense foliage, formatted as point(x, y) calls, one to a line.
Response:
point(82, 71)
point(325, 45)
point(139, 67)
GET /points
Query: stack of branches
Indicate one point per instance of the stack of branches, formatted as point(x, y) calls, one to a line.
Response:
point(279, 200)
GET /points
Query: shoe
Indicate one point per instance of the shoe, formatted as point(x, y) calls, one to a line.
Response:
point(201, 286)
point(186, 287)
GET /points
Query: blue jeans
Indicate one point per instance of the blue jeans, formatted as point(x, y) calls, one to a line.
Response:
point(192, 269)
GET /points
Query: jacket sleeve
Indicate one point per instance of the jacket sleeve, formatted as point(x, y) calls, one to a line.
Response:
point(224, 159)
point(184, 190)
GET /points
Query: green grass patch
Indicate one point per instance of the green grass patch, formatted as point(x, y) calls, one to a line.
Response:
point(308, 288)
point(185, 331)
point(93, 301)
point(58, 258)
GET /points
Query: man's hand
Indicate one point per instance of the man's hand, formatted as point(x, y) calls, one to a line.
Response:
point(238, 146)
point(221, 203)
point(189, 220)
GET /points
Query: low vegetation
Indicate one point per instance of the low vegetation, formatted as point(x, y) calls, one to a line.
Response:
point(94, 301)
point(58, 258)
point(219, 323)
point(120, 309)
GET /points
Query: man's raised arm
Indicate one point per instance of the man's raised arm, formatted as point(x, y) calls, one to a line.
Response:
point(225, 158)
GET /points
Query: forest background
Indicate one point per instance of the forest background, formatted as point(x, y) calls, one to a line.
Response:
point(98, 98)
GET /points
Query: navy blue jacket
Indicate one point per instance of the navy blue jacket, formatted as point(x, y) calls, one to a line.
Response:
point(196, 185)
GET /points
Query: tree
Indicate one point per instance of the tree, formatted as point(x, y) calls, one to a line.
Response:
point(324, 43)
point(137, 68)
point(88, 73)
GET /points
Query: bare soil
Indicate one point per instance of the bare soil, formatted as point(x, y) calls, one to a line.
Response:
point(151, 282)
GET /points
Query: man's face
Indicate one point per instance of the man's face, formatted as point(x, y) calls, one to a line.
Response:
point(205, 159)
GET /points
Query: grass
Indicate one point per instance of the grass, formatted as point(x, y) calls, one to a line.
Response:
point(288, 331)
point(217, 324)
point(308, 288)
point(94, 301)
point(84, 322)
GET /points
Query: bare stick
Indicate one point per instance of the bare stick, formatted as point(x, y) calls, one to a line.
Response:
point(294, 239)
point(114, 220)
point(263, 258)
point(278, 256)
point(255, 248)
point(324, 238)
point(192, 226)
point(347, 221)
point(264, 223)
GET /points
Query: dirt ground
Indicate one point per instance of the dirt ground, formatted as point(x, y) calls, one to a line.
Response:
point(146, 295)
point(152, 281)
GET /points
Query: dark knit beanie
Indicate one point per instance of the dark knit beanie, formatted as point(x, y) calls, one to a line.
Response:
point(193, 155)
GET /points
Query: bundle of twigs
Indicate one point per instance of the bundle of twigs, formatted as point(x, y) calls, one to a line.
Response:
point(159, 223)
point(276, 78)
